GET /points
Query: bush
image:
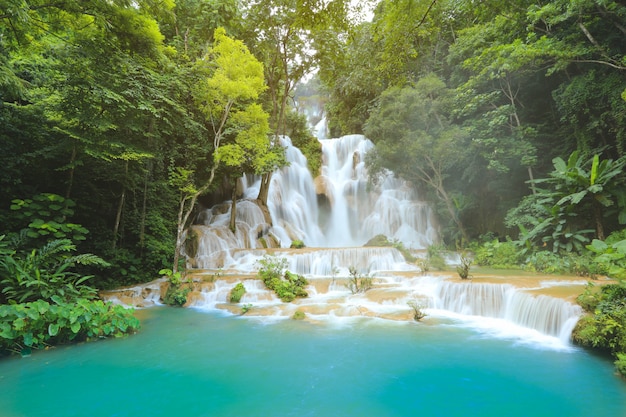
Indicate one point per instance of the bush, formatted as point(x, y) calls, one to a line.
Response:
point(464, 268)
point(358, 283)
point(38, 324)
point(45, 273)
point(287, 285)
point(297, 244)
point(496, 254)
point(237, 292)
point(418, 312)
point(435, 254)
point(605, 328)
point(610, 256)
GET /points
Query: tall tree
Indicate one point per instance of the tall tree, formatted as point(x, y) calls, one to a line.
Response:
point(234, 80)
point(414, 138)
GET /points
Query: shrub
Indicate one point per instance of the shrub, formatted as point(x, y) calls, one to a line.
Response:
point(435, 256)
point(620, 363)
point(237, 292)
point(418, 312)
point(285, 284)
point(45, 273)
point(39, 323)
point(358, 283)
point(605, 328)
point(464, 268)
point(610, 256)
point(177, 291)
point(498, 254)
point(297, 244)
point(382, 240)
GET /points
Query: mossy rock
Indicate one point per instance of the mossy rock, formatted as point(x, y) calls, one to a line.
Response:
point(379, 240)
point(237, 292)
point(298, 315)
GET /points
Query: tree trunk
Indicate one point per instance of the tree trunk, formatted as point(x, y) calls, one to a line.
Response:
point(184, 212)
point(142, 223)
point(120, 207)
point(597, 215)
point(264, 189)
point(70, 180)
point(233, 209)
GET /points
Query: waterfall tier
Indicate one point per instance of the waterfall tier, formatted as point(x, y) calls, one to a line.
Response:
point(339, 208)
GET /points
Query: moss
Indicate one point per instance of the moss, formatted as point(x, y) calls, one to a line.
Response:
point(298, 315)
point(237, 292)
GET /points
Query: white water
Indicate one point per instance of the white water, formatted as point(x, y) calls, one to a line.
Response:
point(339, 210)
point(336, 209)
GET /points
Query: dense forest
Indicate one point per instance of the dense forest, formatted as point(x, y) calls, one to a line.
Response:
point(120, 119)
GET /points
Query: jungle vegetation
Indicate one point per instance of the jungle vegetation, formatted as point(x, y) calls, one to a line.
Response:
point(120, 119)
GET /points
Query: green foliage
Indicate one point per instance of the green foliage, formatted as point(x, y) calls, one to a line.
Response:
point(496, 254)
point(435, 256)
point(177, 290)
point(358, 283)
point(620, 363)
point(298, 315)
point(38, 324)
point(176, 295)
point(564, 215)
point(416, 140)
point(237, 292)
point(245, 308)
point(605, 327)
point(287, 285)
point(300, 134)
point(609, 257)
point(297, 244)
point(568, 263)
point(46, 273)
point(45, 217)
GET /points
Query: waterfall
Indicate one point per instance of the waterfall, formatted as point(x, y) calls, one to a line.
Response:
point(335, 214)
point(548, 315)
point(336, 209)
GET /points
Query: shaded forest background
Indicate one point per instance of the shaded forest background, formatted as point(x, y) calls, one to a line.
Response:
point(509, 116)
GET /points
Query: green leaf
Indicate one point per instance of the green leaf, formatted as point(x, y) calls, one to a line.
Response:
point(53, 329)
point(75, 327)
point(28, 339)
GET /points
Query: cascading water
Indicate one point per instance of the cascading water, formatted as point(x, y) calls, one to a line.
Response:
point(334, 214)
point(336, 209)
point(548, 315)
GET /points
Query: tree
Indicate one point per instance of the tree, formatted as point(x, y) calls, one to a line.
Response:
point(235, 82)
point(414, 138)
point(283, 35)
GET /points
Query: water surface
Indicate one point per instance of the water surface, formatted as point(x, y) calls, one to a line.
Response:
point(191, 363)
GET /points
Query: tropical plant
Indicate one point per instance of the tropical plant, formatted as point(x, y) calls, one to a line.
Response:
point(46, 273)
point(177, 290)
point(498, 254)
point(39, 323)
point(605, 327)
point(571, 208)
point(610, 258)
